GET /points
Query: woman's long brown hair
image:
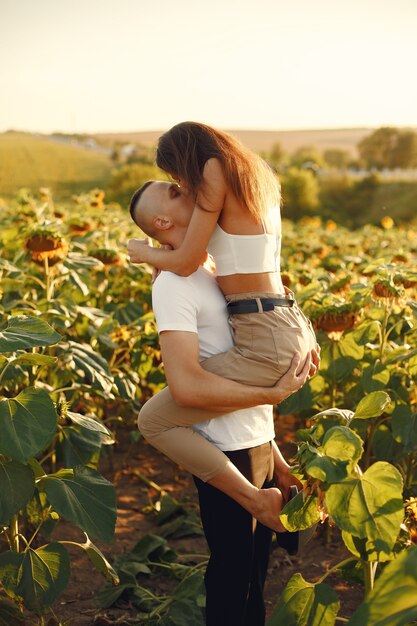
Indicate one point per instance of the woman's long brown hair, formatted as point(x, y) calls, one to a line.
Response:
point(184, 149)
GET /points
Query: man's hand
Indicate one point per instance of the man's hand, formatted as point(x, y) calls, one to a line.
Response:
point(295, 377)
point(315, 358)
point(136, 249)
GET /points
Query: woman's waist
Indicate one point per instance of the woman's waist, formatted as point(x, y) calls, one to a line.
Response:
point(241, 284)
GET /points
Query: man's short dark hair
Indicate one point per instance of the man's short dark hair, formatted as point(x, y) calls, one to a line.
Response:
point(136, 197)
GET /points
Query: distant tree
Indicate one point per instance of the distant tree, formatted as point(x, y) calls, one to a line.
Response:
point(277, 154)
point(335, 195)
point(375, 149)
point(300, 192)
point(336, 157)
point(389, 147)
point(404, 153)
point(115, 155)
point(307, 155)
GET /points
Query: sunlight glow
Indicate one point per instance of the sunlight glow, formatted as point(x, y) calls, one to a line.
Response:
point(112, 65)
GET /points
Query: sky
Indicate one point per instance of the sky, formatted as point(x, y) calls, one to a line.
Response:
point(131, 65)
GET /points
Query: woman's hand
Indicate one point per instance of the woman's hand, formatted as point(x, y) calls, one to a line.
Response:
point(137, 248)
point(155, 270)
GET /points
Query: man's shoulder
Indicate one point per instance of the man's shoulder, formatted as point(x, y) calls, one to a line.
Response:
point(169, 280)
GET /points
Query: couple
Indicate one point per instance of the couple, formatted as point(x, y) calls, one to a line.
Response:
point(192, 321)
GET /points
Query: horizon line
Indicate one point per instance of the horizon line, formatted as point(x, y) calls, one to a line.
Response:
point(242, 129)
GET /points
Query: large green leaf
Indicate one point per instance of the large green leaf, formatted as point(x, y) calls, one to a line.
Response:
point(372, 405)
point(94, 425)
point(343, 444)
point(369, 506)
point(305, 604)
point(375, 377)
point(17, 484)
point(327, 469)
point(77, 446)
point(404, 427)
point(300, 513)
point(85, 498)
point(155, 548)
point(27, 332)
point(366, 332)
point(34, 359)
point(392, 602)
point(38, 576)
point(340, 451)
point(27, 424)
point(336, 365)
point(349, 347)
point(364, 549)
point(92, 365)
point(80, 444)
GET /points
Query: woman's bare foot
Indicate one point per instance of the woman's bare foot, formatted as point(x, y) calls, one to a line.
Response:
point(267, 506)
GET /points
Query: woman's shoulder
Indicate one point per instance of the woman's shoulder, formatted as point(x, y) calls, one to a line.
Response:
point(213, 171)
point(214, 188)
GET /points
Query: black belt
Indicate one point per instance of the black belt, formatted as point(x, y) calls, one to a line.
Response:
point(258, 305)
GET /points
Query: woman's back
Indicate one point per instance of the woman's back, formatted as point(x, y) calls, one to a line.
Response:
point(246, 252)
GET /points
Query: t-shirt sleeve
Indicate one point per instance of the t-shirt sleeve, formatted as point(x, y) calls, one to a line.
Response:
point(174, 303)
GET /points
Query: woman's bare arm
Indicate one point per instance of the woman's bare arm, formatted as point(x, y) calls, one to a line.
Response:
point(186, 259)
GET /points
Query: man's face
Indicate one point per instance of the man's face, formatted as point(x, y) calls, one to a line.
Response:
point(170, 200)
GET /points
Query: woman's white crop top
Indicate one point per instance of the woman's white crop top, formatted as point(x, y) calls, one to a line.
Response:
point(247, 254)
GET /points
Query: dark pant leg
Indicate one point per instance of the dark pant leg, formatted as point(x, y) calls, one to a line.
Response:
point(239, 547)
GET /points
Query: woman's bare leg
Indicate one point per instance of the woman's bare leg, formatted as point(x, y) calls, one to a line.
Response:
point(264, 504)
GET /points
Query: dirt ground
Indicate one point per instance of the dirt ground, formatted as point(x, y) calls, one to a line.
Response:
point(77, 607)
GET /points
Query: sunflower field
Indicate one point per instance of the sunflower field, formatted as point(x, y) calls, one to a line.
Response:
point(79, 355)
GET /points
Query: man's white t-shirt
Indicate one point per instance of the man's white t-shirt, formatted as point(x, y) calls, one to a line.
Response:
point(196, 304)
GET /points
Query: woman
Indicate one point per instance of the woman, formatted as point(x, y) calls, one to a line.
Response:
point(237, 219)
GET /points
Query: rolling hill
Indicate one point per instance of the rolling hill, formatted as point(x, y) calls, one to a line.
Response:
point(33, 161)
point(343, 138)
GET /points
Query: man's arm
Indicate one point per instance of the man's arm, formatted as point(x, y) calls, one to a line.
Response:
point(192, 386)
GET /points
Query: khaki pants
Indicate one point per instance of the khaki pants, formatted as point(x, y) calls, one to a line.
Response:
point(265, 344)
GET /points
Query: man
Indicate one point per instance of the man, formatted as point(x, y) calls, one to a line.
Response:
point(192, 321)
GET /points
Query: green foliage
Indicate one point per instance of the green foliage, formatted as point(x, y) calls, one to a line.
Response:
point(305, 603)
point(29, 422)
point(80, 355)
point(369, 506)
point(38, 576)
point(300, 193)
point(392, 602)
point(366, 505)
point(306, 156)
point(335, 157)
point(389, 147)
point(83, 497)
point(128, 178)
point(24, 332)
point(149, 558)
point(17, 484)
point(276, 156)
